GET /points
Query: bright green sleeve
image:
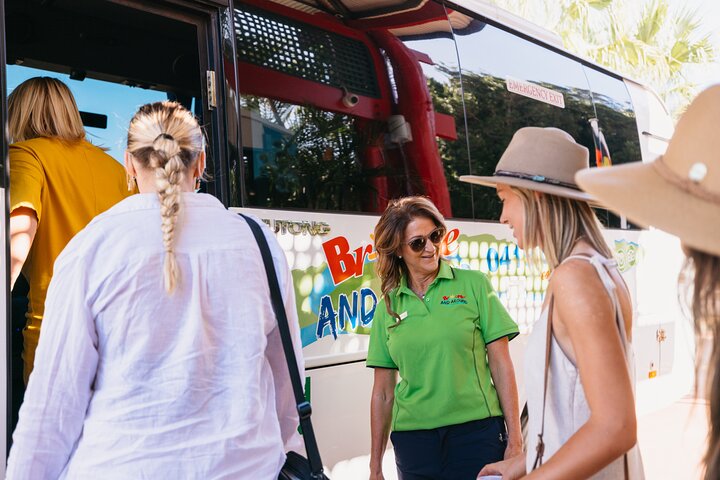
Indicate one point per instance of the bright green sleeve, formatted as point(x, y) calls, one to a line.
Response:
point(378, 354)
point(494, 322)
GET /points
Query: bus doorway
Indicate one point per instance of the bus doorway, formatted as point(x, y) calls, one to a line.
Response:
point(114, 56)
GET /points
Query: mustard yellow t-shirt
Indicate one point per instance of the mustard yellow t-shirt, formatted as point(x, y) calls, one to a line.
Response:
point(66, 184)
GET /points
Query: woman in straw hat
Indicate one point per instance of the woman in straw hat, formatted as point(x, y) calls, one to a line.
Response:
point(578, 362)
point(680, 193)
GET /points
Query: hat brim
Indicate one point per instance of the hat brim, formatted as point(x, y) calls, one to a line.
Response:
point(529, 184)
point(640, 193)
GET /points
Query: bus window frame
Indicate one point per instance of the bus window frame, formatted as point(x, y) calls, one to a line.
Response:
point(206, 17)
point(6, 374)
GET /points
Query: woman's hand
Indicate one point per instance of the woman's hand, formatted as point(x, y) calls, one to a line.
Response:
point(503, 376)
point(509, 469)
point(513, 450)
point(377, 476)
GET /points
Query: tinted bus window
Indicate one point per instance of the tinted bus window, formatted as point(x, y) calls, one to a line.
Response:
point(616, 117)
point(510, 83)
point(297, 152)
point(334, 118)
point(616, 137)
point(437, 55)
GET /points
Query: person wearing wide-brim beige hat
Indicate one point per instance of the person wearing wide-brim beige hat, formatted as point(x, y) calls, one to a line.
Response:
point(541, 159)
point(587, 420)
point(680, 193)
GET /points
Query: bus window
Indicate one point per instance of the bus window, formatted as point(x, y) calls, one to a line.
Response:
point(616, 115)
point(509, 83)
point(334, 118)
point(307, 140)
point(616, 137)
point(437, 53)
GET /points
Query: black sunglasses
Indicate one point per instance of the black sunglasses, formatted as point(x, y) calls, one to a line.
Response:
point(417, 244)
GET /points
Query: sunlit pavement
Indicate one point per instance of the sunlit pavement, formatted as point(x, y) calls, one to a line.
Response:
point(672, 441)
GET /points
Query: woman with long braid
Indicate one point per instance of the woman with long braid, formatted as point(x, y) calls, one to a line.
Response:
point(159, 362)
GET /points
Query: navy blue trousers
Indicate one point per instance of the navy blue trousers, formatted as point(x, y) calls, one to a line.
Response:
point(455, 452)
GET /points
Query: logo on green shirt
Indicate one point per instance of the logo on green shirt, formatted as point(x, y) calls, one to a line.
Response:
point(453, 300)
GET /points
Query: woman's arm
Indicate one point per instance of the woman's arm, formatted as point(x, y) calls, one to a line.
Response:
point(585, 317)
point(381, 404)
point(23, 225)
point(503, 375)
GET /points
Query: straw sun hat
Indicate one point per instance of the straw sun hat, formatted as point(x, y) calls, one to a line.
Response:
point(680, 191)
point(541, 159)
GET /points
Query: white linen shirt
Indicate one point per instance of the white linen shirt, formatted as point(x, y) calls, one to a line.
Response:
point(131, 382)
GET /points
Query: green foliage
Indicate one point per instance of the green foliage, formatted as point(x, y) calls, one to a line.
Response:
point(315, 164)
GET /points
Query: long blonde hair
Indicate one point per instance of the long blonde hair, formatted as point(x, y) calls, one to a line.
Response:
point(390, 235)
point(702, 281)
point(43, 107)
point(554, 224)
point(166, 137)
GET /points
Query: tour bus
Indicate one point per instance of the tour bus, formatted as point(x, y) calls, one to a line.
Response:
point(317, 113)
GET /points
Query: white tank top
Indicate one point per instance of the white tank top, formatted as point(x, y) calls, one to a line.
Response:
point(566, 407)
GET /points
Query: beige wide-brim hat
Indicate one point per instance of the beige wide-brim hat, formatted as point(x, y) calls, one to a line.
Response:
point(540, 159)
point(680, 191)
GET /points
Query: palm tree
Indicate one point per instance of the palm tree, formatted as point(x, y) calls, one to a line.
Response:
point(649, 40)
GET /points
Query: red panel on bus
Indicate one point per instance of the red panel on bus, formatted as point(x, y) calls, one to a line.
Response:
point(263, 82)
point(445, 126)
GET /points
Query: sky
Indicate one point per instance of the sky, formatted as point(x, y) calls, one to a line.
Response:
point(709, 12)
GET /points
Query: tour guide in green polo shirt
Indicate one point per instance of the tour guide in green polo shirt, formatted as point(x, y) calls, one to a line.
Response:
point(446, 333)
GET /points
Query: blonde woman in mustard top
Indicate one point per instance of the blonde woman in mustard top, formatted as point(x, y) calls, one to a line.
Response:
point(58, 183)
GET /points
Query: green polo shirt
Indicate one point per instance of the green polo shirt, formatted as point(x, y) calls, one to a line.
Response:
point(439, 349)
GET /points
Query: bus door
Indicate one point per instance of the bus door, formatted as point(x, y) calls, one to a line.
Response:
point(115, 56)
point(4, 252)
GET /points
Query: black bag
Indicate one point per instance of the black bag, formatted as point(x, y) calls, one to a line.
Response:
point(296, 466)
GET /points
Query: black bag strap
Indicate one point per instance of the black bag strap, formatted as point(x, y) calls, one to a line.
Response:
point(303, 406)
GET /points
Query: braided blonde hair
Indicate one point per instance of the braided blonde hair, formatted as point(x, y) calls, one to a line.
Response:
point(166, 137)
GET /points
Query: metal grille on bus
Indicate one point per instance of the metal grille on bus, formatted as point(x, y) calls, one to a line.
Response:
point(304, 51)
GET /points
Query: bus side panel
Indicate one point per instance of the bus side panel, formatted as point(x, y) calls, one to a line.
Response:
point(340, 397)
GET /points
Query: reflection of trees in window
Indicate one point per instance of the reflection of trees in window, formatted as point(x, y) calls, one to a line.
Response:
point(617, 122)
point(309, 159)
point(494, 114)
